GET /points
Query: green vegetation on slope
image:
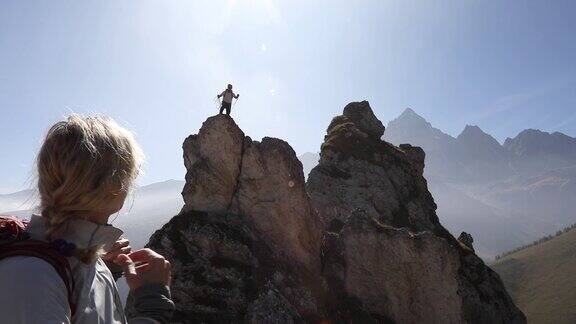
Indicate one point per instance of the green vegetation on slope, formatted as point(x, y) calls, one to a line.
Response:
point(542, 279)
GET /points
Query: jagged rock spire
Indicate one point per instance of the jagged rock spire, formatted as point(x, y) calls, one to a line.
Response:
point(385, 247)
point(228, 172)
point(248, 247)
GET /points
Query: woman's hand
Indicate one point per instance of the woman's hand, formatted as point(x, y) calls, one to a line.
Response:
point(144, 267)
point(122, 246)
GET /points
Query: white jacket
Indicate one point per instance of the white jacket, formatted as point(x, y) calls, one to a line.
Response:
point(228, 95)
point(31, 291)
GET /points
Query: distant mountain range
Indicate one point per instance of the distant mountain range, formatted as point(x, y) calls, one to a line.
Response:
point(505, 195)
point(475, 157)
point(540, 279)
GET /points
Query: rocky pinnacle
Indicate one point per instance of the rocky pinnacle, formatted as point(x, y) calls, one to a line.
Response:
point(360, 242)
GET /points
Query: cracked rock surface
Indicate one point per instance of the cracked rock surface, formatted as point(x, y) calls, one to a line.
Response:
point(229, 172)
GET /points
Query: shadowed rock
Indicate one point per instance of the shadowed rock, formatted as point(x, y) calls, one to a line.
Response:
point(467, 240)
point(223, 270)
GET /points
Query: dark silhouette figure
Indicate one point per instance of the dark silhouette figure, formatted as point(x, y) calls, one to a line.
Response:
point(227, 100)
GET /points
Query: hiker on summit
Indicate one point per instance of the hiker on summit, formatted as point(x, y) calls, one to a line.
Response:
point(61, 267)
point(227, 100)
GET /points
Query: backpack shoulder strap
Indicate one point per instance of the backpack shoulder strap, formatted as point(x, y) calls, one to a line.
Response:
point(15, 242)
point(12, 229)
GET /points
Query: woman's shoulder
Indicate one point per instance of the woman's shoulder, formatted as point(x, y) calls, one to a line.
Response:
point(32, 292)
point(29, 272)
point(20, 261)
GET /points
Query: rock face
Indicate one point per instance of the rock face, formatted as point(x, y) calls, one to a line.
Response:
point(246, 245)
point(359, 243)
point(385, 274)
point(213, 159)
point(358, 170)
point(230, 173)
point(224, 270)
point(387, 256)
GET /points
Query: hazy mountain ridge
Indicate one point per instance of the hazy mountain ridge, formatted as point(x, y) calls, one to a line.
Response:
point(534, 151)
point(527, 182)
point(529, 152)
point(500, 193)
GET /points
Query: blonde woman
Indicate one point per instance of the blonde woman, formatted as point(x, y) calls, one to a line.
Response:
point(86, 167)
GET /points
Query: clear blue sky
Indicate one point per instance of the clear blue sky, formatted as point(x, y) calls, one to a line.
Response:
point(155, 66)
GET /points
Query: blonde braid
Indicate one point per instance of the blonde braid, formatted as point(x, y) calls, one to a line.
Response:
point(56, 220)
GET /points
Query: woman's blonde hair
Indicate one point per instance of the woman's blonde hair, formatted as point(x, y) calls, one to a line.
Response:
point(86, 164)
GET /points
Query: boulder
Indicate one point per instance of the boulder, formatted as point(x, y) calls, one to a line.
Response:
point(363, 117)
point(466, 240)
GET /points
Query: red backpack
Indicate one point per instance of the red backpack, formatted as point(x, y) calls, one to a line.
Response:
point(15, 241)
